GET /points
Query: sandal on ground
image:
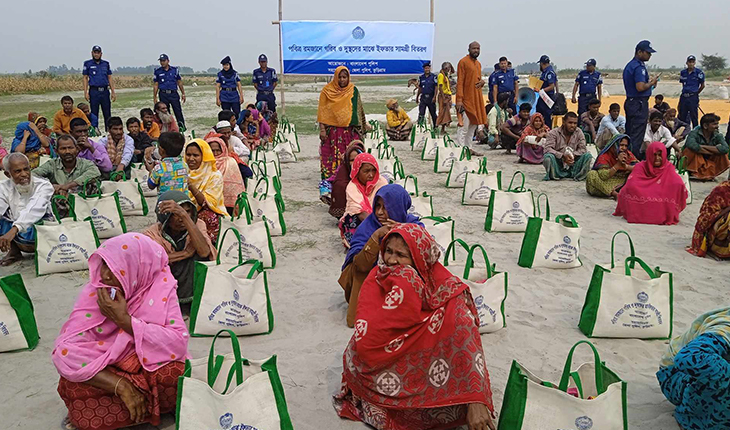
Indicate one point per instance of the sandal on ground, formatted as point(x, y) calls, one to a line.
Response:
point(67, 425)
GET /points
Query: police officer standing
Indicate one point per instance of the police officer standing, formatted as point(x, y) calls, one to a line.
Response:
point(427, 92)
point(589, 81)
point(229, 94)
point(550, 85)
point(167, 80)
point(97, 83)
point(505, 81)
point(638, 88)
point(265, 81)
point(693, 82)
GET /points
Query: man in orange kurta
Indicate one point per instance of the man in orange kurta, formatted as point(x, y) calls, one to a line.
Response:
point(469, 98)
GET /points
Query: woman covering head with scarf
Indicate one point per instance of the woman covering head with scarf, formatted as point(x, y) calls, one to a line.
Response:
point(31, 139)
point(205, 183)
point(228, 92)
point(184, 238)
point(654, 192)
point(414, 320)
point(445, 93)
point(122, 349)
point(612, 167)
point(270, 116)
point(264, 129)
point(365, 181)
point(391, 208)
point(341, 120)
point(695, 374)
point(341, 179)
point(250, 129)
point(712, 229)
point(227, 166)
point(529, 145)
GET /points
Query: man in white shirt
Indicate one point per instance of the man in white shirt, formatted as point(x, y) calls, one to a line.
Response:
point(24, 200)
point(224, 129)
point(611, 125)
point(656, 132)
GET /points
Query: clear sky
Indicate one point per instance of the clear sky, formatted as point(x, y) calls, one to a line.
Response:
point(199, 34)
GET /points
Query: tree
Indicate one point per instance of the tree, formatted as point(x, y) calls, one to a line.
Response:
point(212, 71)
point(713, 62)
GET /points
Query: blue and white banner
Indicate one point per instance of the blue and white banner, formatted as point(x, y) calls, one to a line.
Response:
point(365, 47)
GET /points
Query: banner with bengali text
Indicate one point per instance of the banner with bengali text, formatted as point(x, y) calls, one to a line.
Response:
point(365, 47)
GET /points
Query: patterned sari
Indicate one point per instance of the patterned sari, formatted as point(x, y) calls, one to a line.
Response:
point(415, 360)
point(712, 230)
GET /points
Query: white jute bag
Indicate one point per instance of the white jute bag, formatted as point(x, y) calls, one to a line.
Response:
point(18, 329)
point(591, 149)
point(104, 211)
point(554, 245)
point(64, 247)
point(266, 207)
point(131, 198)
point(409, 183)
point(228, 392)
point(445, 157)
point(419, 136)
point(252, 241)
point(625, 303)
point(421, 206)
point(386, 152)
point(508, 211)
point(284, 150)
point(262, 169)
point(441, 230)
point(531, 403)
point(460, 168)
point(371, 144)
point(265, 183)
point(290, 134)
point(234, 298)
point(140, 174)
point(478, 186)
point(685, 178)
point(390, 168)
point(430, 148)
point(270, 157)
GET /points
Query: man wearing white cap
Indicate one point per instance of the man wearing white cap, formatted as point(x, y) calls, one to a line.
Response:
point(167, 80)
point(234, 143)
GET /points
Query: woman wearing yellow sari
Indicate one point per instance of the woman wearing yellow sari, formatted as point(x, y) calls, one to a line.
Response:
point(205, 184)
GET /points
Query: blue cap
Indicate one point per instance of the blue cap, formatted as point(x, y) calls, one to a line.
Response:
point(591, 62)
point(691, 58)
point(544, 59)
point(427, 63)
point(96, 48)
point(163, 57)
point(262, 57)
point(645, 45)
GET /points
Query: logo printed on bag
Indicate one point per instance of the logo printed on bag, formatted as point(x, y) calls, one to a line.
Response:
point(516, 216)
point(233, 314)
point(68, 252)
point(566, 239)
point(642, 297)
point(94, 212)
point(388, 384)
point(640, 314)
point(226, 422)
point(394, 298)
point(62, 238)
point(235, 295)
point(439, 372)
point(481, 193)
point(483, 309)
point(516, 205)
point(4, 329)
point(565, 253)
point(249, 251)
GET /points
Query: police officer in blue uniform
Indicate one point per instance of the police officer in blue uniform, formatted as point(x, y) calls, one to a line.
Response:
point(265, 81)
point(167, 80)
point(426, 97)
point(638, 88)
point(97, 84)
point(505, 80)
point(550, 84)
point(490, 83)
point(590, 82)
point(693, 82)
point(229, 94)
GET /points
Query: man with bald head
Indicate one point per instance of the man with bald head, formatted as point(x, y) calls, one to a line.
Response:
point(24, 200)
point(469, 97)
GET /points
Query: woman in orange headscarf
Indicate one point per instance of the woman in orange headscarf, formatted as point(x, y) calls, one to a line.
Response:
point(341, 120)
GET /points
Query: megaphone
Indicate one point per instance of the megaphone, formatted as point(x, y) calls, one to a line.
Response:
point(526, 95)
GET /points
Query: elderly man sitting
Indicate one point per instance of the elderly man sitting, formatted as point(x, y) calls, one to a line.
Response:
point(399, 123)
point(24, 200)
point(68, 172)
point(565, 151)
point(234, 143)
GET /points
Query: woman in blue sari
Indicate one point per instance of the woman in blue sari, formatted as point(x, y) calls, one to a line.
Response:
point(390, 208)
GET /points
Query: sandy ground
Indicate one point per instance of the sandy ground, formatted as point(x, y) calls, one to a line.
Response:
point(542, 309)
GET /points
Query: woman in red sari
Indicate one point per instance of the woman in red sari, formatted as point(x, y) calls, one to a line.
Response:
point(415, 361)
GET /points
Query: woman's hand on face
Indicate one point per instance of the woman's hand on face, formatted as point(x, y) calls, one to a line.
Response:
point(478, 417)
point(133, 400)
point(171, 207)
point(115, 310)
point(385, 229)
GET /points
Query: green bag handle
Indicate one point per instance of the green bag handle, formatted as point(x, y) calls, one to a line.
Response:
point(71, 205)
point(547, 206)
point(214, 365)
point(263, 178)
point(398, 168)
point(447, 140)
point(452, 247)
point(256, 267)
point(86, 182)
point(483, 166)
point(470, 262)
point(560, 219)
point(565, 378)
point(223, 239)
point(465, 154)
point(680, 165)
point(243, 206)
point(628, 265)
point(114, 175)
point(413, 179)
point(631, 245)
point(521, 188)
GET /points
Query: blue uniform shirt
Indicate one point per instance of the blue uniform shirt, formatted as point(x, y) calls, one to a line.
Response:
point(98, 73)
point(549, 77)
point(635, 72)
point(265, 80)
point(588, 82)
point(427, 84)
point(227, 82)
point(167, 79)
point(504, 80)
point(691, 81)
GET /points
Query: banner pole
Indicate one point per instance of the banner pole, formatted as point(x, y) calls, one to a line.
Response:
point(432, 10)
point(281, 61)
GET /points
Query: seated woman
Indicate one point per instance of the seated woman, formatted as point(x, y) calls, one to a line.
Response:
point(654, 192)
point(31, 139)
point(365, 181)
point(706, 149)
point(416, 345)
point(613, 165)
point(250, 129)
point(391, 208)
point(205, 183)
point(270, 116)
point(529, 146)
point(399, 123)
point(184, 238)
point(228, 168)
point(123, 348)
point(341, 179)
point(695, 373)
point(264, 129)
point(712, 230)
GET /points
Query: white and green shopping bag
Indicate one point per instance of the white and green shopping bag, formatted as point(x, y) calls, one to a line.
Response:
point(64, 246)
point(431, 146)
point(265, 183)
point(268, 207)
point(390, 168)
point(140, 174)
point(408, 182)
point(254, 241)
point(229, 392)
point(235, 298)
point(441, 230)
point(478, 186)
point(460, 168)
point(419, 136)
point(554, 245)
point(270, 157)
point(488, 289)
point(685, 178)
point(628, 301)
point(284, 150)
point(131, 198)
point(531, 403)
point(18, 329)
point(104, 210)
point(509, 210)
point(290, 134)
point(445, 157)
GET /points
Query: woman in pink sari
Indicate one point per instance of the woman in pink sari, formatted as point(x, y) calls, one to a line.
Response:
point(264, 129)
point(365, 181)
point(654, 192)
point(122, 349)
point(232, 179)
point(529, 146)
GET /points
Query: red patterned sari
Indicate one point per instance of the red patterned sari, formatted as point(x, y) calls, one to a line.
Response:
point(415, 360)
